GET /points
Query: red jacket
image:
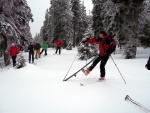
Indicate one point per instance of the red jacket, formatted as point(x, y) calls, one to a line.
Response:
point(59, 43)
point(103, 47)
point(14, 51)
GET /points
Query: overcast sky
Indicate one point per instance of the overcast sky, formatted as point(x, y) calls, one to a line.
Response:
point(38, 9)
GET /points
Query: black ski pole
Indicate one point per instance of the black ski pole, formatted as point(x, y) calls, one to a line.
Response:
point(136, 103)
point(70, 66)
point(79, 70)
point(118, 69)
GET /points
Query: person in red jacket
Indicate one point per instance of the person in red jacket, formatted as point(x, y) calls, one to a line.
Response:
point(107, 45)
point(14, 50)
point(58, 46)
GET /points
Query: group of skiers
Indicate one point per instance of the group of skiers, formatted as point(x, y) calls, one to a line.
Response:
point(107, 45)
point(37, 46)
point(33, 50)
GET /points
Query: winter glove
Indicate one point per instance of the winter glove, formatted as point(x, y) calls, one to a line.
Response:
point(84, 40)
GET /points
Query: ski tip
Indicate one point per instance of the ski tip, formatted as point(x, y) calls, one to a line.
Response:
point(126, 98)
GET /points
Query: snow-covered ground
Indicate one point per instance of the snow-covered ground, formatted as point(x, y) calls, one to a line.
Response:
point(40, 88)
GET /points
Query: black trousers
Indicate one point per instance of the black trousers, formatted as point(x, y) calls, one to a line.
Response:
point(103, 60)
point(31, 54)
point(58, 48)
point(14, 60)
point(44, 50)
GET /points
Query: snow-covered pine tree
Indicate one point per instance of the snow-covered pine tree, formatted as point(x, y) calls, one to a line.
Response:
point(144, 37)
point(14, 23)
point(20, 61)
point(129, 30)
point(45, 27)
point(51, 24)
point(76, 9)
point(87, 51)
point(61, 17)
point(83, 23)
point(144, 23)
point(97, 16)
point(51, 27)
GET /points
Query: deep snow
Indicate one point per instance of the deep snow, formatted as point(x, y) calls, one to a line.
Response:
point(40, 88)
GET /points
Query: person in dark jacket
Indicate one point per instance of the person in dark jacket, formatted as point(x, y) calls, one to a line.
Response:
point(31, 52)
point(148, 64)
point(37, 49)
point(107, 45)
point(14, 50)
point(58, 46)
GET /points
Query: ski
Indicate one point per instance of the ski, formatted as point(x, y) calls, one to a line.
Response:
point(128, 98)
point(79, 70)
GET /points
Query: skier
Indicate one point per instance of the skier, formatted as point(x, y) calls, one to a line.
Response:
point(14, 50)
point(31, 52)
point(58, 46)
point(107, 45)
point(148, 64)
point(44, 48)
point(37, 49)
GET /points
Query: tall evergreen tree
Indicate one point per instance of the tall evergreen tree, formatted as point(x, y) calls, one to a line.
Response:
point(144, 23)
point(89, 33)
point(76, 9)
point(83, 23)
point(62, 18)
point(130, 26)
point(14, 23)
point(97, 16)
point(45, 27)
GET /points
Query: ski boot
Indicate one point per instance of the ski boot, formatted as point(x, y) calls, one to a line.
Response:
point(86, 72)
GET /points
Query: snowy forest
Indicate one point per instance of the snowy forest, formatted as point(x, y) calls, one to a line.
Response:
point(14, 26)
point(128, 21)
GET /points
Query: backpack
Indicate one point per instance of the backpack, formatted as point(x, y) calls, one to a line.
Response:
point(148, 64)
point(111, 43)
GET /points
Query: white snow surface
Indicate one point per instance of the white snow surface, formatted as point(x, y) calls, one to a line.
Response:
point(40, 88)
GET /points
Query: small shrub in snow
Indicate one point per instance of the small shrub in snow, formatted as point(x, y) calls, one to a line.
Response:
point(20, 62)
